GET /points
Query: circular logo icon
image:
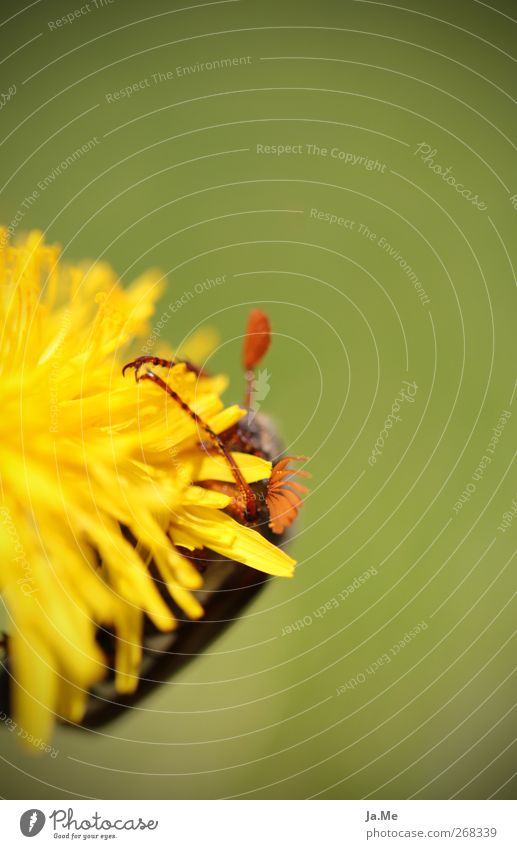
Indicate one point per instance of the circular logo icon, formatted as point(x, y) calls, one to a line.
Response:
point(31, 822)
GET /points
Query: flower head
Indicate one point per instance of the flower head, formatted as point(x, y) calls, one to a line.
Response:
point(100, 477)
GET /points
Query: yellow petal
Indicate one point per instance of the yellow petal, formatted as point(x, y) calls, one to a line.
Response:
point(203, 466)
point(223, 534)
point(34, 687)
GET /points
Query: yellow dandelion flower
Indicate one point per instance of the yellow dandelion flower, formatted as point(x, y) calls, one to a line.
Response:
point(100, 477)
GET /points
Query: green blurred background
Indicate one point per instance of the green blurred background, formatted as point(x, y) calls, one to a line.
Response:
point(173, 178)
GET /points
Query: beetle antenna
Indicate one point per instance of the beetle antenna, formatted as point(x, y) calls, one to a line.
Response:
point(249, 495)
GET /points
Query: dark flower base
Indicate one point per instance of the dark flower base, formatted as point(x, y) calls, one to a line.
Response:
point(228, 588)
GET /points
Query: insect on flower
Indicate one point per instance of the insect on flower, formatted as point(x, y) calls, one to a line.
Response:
point(275, 502)
point(269, 506)
point(124, 549)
